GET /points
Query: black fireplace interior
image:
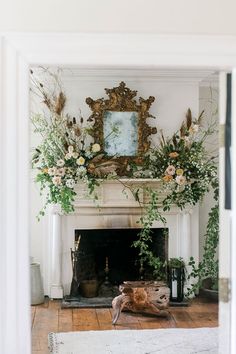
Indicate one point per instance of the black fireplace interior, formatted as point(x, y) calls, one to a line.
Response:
point(113, 248)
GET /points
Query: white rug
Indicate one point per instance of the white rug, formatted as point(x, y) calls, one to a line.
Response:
point(154, 341)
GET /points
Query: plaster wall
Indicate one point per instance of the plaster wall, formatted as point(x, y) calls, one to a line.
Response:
point(175, 17)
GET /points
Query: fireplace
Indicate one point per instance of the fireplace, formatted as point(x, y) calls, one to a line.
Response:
point(108, 253)
point(116, 211)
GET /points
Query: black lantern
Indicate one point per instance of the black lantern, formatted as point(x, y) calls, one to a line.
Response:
point(176, 279)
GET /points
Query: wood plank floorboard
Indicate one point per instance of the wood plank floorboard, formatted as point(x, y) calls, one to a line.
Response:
point(49, 317)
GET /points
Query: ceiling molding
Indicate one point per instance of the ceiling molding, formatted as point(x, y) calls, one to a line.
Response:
point(158, 75)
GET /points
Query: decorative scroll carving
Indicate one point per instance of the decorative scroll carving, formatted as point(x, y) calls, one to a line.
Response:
point(122, 99)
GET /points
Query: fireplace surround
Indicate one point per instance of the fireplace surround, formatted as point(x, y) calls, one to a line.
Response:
point(116, 208)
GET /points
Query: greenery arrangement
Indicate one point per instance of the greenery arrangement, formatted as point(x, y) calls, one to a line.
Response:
point(67, 156)
point(187, 172)
point(209, 267)
point(176, 263)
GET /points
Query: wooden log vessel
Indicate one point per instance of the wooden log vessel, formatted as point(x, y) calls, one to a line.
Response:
point(141, 296)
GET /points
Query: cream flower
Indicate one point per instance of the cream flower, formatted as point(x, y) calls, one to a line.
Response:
point(81, 171)
point(179, 171)
point(80, 161)
point(60, 163)
point(194, 128)
point(170, 170)
point(96, 148)
point(52, 171)
point(61, 172)
point(70, 183)
point(181, 180)
point(71, 149)
point(75, 155)
point(56, 180)
point(68, 156)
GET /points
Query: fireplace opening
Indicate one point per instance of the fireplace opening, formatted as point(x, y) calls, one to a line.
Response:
point(108, 255)
point(104, 258)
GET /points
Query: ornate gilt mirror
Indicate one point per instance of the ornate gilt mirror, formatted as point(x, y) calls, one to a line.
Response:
point(120, 124)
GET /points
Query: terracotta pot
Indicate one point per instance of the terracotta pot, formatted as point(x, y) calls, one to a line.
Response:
point(89, 288)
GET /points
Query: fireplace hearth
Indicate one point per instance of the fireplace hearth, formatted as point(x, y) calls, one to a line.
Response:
point(107, 257)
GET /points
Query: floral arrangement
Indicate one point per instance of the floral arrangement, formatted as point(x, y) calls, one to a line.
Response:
point(67, 156)
point(183, 163)
point(63, 160)
point(187, 172)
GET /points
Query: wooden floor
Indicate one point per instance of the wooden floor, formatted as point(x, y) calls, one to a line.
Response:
point(49, 317)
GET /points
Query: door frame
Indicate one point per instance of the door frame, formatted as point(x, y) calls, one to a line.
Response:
point(19, 51)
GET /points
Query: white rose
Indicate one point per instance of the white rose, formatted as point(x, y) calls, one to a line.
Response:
point(170, 170)
point(60, 163)
point(52, 171)
point(96, 148)
point(181, 180)
point(61, 171)
point(56, 180)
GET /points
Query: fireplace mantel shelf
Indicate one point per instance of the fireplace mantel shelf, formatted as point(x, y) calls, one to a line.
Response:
point(117, 194)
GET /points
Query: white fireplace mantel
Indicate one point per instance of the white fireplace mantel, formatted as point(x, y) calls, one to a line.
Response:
point(116, 207)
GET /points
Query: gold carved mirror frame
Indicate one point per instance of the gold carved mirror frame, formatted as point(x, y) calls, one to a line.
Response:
point(123, 111)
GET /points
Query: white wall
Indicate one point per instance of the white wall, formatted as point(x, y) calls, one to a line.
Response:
point(182, 16)
point(173, 96)
point(209, 102)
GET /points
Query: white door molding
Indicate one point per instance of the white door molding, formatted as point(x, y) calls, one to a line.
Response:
point(18, 52)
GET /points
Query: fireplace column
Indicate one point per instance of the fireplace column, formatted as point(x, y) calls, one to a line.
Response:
point(186, 243)
point(56, 289)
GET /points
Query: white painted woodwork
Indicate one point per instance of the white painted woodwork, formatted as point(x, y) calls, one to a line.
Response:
point(233, 220)
point(224, 225)
point(55, 248)
point(114, 209)
point(20, 50)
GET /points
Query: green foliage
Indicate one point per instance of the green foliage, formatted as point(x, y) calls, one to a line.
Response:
point(152, 214)
point(209, 266)
point(176, 263)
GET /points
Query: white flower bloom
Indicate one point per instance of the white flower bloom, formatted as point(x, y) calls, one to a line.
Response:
point(75, 155)
point(96, 148)
point(52, 171)
point(194, 128)
point(181, 180)
point(88, 154)
point(71, 149)
point(81, 171)
point(61, 171)
point(80, 161)
point(70, 183)
point(68, 156)
point(60, 163)
point(56, 180)
point(170, 170)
